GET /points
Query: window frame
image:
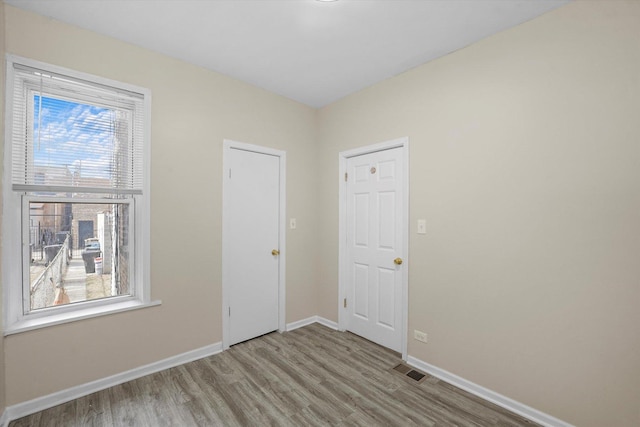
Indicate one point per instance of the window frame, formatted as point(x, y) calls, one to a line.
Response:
point(15, 261)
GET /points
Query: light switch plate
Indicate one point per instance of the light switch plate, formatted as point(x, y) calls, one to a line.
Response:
point(422, 226)
point(292, 223)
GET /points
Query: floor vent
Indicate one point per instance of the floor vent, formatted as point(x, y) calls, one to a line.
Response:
point(413, 374)
point(409, 372)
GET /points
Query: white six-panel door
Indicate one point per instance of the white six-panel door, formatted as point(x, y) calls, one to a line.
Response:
point(251, 243)
point(374, 247)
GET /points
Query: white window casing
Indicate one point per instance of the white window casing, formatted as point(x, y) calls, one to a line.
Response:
point(124, 163)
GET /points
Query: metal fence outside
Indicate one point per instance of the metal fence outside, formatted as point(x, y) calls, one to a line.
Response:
point(44, 288)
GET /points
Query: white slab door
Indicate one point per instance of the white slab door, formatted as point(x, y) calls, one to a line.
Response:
point(251, 243)
point(374, 248)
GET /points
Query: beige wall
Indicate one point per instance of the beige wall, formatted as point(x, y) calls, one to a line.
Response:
point(193, 110)
point(525, 162)
point(2, 86)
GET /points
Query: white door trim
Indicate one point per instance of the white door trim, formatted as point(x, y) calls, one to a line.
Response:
point(342, 231)
point(227, 146)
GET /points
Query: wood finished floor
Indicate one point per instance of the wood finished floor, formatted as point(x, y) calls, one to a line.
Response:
point(312, 376)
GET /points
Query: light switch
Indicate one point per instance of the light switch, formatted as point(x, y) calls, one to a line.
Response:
point(292, 223)
point(422, 226)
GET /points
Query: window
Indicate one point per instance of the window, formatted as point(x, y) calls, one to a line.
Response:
point(75, 194)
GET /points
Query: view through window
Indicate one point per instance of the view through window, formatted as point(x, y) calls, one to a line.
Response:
point(78, 250)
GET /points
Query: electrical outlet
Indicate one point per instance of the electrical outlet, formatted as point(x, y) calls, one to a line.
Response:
point(420, 336)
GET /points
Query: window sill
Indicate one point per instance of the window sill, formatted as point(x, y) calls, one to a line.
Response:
point(80, 314)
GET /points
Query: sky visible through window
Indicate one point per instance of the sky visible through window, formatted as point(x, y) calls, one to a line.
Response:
point(79, 137)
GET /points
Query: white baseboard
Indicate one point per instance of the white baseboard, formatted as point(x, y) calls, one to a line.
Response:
point(300, 323)
point(20, 410)
point(309, 320)
point(328, 323)
point(486, 394)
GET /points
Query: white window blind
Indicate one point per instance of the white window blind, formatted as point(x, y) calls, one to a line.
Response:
point(74, 136)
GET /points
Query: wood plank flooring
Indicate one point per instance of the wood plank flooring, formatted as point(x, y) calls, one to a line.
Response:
point(312, 376)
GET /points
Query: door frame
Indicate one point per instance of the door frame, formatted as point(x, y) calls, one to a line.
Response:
point(229, 145)
point(343, 270)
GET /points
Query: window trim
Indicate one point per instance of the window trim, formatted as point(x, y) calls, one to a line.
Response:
point(15, 320)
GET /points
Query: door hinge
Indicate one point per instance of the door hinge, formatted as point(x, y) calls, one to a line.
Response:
point(345, 303)
point(229, 311)
point(345, 176)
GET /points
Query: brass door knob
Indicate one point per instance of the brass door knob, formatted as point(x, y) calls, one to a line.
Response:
point(398, 261)
point(275, 252)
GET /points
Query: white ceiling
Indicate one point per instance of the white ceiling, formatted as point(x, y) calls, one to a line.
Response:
point(310, 51)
